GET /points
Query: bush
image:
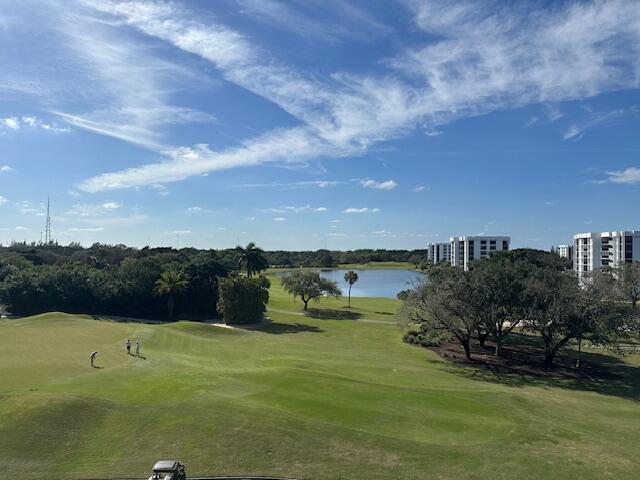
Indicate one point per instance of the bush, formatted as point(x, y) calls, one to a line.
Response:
point(424, 338)
point(404, 294)
point(242, 300)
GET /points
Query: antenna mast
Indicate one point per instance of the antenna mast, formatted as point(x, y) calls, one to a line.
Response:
point(47, 228)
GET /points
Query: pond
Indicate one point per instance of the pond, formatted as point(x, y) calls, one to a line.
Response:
point(385, 283)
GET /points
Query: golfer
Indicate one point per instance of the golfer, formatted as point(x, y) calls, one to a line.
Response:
point(128, 346)
point(93, 358)
point(137, 349)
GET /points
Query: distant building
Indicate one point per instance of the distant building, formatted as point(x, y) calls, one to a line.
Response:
point(438, 252)
point(466, 249)
point(595, 250)
point(565, 251)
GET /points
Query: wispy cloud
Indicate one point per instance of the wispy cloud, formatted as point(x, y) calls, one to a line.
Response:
point(419, 188)
point(3, 200)
point(280, 219)
point(329, 21)
point(597, 119)
point(293, 185)
point(6, 168)
point(628, 176)
point(361, 210)
point(131, 82)
point(197, 209)
point(85, 229)
point(295, 209)
point(385, 185)
point(475, 61)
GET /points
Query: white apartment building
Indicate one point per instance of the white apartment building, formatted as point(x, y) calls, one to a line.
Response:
point(438, 252)
point(594, 250)
point(565, 251)
point(468, 248)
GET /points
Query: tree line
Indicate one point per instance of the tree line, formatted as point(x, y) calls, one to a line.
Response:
point(528, 290)
point(101, 255)
point(118, 280)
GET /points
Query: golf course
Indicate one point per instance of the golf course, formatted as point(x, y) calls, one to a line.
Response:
point(330, 394)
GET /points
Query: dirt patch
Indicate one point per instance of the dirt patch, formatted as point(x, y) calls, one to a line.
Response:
point(527, 358)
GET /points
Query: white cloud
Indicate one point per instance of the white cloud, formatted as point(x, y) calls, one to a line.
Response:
point(197, 209)
point(185, 162)
point(336, 221)
point(10, 122)
point(386, 185)
point(293, 185)
point(475, 61)
point(361, 210)
point(29, 121)
point(111, 205)
point(180, 232)
point(6, 168)
point(3, 200)
point(336, 234)
point(327, 21)
point(132, 84)
point(85, 229)
point(628, 176)
point(280, 219)
point(598, 119)
point(419, 188)
point(21, 228)
point(295, 209)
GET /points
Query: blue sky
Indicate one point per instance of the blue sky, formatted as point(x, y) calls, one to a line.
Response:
point(305, 124)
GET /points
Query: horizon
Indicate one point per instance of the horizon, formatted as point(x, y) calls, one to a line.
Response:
point(318, 125)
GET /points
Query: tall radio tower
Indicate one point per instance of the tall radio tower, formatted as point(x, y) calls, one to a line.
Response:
point(47, 228)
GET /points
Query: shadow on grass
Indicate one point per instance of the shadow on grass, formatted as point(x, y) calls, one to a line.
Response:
point(331, 314)
point(119, 319)
point(522, 366)
point(280, 328)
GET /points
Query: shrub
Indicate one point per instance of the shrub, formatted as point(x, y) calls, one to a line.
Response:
point(242, 300)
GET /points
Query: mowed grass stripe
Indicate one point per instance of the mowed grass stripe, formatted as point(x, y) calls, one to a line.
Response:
point(304, 397)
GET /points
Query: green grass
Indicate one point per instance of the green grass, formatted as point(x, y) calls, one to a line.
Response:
point(304, 397)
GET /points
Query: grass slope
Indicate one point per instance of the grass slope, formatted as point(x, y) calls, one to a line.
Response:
point(304, 397)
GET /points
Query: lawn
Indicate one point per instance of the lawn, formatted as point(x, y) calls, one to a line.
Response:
point(308, 397)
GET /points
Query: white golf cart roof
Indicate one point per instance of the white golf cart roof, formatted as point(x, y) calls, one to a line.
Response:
point(166, 466)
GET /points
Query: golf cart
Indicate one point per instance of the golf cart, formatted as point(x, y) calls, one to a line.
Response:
point(168, 470)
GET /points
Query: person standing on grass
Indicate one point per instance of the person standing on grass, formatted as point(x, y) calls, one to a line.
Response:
point(128, 346)
point(93, 358)
point(137, 349)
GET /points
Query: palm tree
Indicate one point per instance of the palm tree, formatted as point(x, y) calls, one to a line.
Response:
point(170, 284)
point(252, 258)
point(350, 277)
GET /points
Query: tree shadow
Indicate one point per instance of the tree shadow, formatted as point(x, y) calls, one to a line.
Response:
point(332, 314)
point(280, 328)
point(523, 366)
point(385, 313)
point(119, 319)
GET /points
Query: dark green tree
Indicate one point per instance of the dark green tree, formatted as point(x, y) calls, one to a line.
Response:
point(252, 258)
point(440, 305)
point(171, 284)
point(309, 286)
point(350, 277)
point(243, 300)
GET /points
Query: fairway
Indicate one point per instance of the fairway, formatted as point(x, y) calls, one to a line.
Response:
point(315, 398)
